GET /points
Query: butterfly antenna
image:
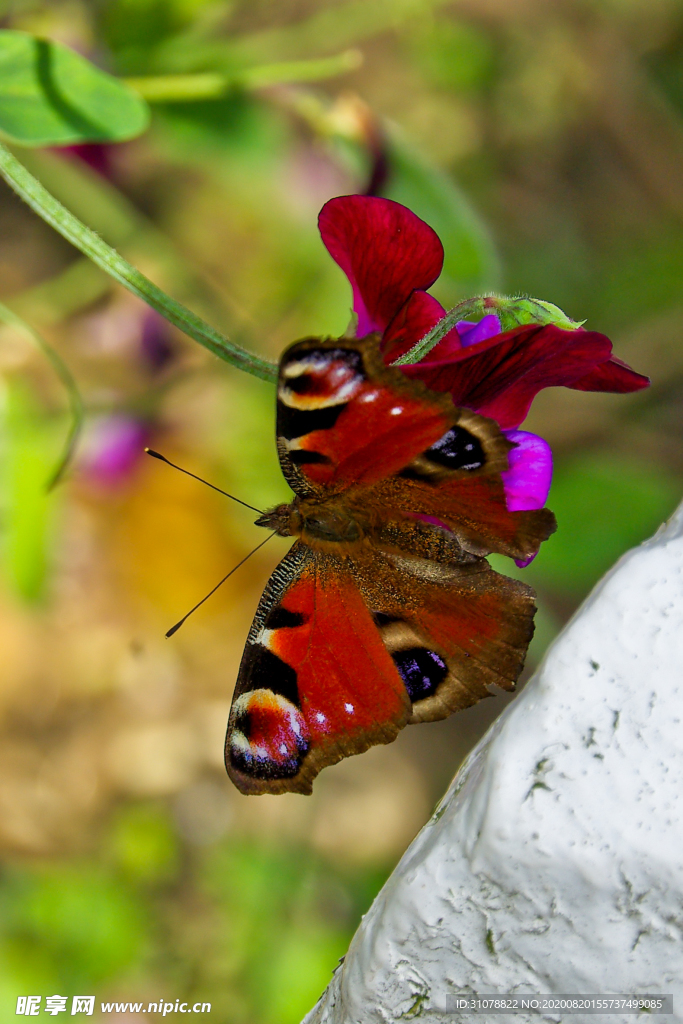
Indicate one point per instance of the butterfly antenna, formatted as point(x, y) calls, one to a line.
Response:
point(162, 458)
point(174, 629)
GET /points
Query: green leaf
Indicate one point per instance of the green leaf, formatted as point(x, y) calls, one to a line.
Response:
point(51, 96)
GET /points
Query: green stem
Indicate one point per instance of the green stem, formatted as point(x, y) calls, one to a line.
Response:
point(109, 260)
point(211, 85)
point(512, 311)
point(70, 386)
point(180, 88)
point(470, 307)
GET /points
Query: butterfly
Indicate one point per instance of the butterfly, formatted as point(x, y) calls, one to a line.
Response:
point(384, 612)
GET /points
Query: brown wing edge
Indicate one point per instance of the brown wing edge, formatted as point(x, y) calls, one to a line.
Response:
point(325, 755)
point(407, 590)
point(468, 680)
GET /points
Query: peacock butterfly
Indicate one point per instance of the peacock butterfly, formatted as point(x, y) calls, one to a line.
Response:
point(385, 611)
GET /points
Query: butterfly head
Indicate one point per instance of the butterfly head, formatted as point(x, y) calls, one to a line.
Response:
point(278, 519)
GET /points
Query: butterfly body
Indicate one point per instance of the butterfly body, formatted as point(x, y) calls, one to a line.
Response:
point(384, 612)
point(321, 523)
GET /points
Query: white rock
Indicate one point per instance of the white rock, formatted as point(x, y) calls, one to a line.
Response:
point(555, 862)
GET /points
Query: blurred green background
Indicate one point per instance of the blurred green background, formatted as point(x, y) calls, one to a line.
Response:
point(544, 142)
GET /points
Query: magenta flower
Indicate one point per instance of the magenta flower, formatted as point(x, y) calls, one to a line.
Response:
point(391, 258)
point(112, 448)
point(96, 155)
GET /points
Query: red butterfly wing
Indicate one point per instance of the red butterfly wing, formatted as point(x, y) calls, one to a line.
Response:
point(343, 654)
point(347, 423)
point(344, 421)
point(316, 682)
point(455, 630)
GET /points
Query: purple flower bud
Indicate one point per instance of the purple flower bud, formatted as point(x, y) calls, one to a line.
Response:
point(470, 333)
point(527, 481)
point(155, 344)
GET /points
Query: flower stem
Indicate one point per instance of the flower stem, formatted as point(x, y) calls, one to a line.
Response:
point(470, 307)
point(211, 85)
point(109, 260)
point(512, 311)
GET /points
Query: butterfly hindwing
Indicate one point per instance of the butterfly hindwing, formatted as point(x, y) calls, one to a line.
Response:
point(344, 653)
point(316, 682)
point(454, 631)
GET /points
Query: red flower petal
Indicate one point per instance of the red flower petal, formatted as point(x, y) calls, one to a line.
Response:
point(501, 376)
point(385, 251)
point(614, 376)
point(415, 319)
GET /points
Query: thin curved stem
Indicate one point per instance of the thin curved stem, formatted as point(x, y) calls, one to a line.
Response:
point(10, 318)
point(439, 331)
point(109, 260)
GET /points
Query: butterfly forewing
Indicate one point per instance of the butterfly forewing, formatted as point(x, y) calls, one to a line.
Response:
point(344, 420)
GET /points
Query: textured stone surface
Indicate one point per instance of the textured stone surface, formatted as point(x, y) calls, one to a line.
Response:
point(555, 862)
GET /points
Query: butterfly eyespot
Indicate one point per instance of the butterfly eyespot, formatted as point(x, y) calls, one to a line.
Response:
point(457, 449)
point(269, 737)
point(421, 671)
